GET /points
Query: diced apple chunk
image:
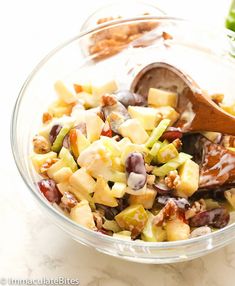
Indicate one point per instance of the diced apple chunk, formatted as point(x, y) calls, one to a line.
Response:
point(118, 190)
point(82, 214)
point(87, 99)
point(39, 159)
point(168, 112)
point(64, 93)
point(78, 193)
point(111, 225)
point(147, 116)
point(66, 156)
point(130, 148)
point(64, 187)
point(91, 153)
point(139, 192)
point(189, 179)
point(158, 97)
point(62, 175)
point(133, 218)
point(82, 142)
point(177, 230)
point(117, 164)
point(103, 194)
point(153, 233)
point(82, 180)
point(59, 108)
point(147, 199)
point(212, 136)
point(111, 145)
point(94, 126)
point(84, 84)
point(101, 87)
point(55, 168)
point(167, 153)
point(99, 168)
point(132, 129)
point(123, 143)
point(96, 159)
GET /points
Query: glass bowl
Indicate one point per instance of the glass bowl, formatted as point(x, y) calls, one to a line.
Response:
point(117, 9)
point(202, 53)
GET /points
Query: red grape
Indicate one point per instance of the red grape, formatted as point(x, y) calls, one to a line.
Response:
point(218, 217)
point(49, 189)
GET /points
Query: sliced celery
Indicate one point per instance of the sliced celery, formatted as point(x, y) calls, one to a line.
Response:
point(171, 165)
point(148, 233)
point(59, 139)
point(66, 156)
point(156, 147)
point(157, 132)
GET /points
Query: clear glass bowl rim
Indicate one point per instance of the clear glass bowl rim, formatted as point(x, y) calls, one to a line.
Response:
point(114, 3)
point(50, 208)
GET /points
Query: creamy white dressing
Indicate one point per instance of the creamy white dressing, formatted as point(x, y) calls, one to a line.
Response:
point(188, 115)
point(222, 168)
point(134, 179)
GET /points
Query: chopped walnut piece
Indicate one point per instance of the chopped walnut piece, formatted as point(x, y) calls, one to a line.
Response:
point(190, 213)
point(111, 41)
point(105, 48)
point(78, 88)
point(166, 36)
point(98, 220)
point(150, 179)
point(217, 98)
point(177, 143)
point(149, 168)
point(120, 33)
point(107, 19)
point(46, 117)
point(108, 100)
point(69, 200)
point(117, 138)
point(170, 210)
point(172, 180)
point(47, 165)
point(198, 206)
point(41, 145)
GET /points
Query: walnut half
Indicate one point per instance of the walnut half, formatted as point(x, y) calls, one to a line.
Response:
point(172, 180)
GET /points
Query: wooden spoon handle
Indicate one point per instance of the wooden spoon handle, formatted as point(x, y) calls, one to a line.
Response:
point(210, 117)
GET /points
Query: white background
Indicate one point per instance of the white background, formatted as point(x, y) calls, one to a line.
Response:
point(29, 245)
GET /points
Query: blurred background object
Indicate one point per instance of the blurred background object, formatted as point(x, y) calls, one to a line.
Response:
point(230, 20)
point(230, 24)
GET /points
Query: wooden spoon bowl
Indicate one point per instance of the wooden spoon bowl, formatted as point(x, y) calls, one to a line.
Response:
point(197, 110)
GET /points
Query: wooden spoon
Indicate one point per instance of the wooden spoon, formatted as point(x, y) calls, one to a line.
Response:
point(197, 111)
